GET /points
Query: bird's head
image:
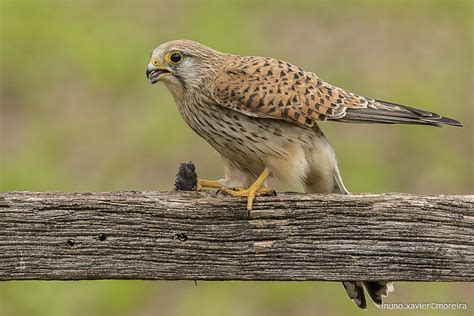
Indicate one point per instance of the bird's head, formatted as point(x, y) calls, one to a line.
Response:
point(182, 65)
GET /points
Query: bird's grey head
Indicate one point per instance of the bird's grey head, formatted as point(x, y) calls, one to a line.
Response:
point(182, 65)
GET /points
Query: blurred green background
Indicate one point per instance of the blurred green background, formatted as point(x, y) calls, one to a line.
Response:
point(77, 114)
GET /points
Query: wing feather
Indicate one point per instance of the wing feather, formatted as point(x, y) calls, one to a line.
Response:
point(265, 87)
point(269, 88)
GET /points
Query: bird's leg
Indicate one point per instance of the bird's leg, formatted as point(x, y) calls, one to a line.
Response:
point(254, 190)
point(201, 183)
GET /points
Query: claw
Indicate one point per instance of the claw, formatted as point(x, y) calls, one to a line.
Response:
point(253, 191)
point(201, 183)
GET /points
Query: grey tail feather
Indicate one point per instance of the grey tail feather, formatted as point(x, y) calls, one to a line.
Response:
point(377, 290)
point(384, 112)
point(355, 290)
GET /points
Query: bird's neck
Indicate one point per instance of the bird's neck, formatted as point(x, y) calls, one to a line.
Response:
point(176, 89)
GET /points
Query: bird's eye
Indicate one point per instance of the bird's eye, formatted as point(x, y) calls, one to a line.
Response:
point(176, 57)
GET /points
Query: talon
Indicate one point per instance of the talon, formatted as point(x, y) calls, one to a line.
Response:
point(219, 191)
point(250, 200)
point(253, 191)
point(266, 191)
point(201, 183)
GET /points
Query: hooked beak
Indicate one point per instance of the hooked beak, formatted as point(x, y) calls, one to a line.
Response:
point(154, 73)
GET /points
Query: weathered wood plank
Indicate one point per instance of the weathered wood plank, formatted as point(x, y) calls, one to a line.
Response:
point(197, 235)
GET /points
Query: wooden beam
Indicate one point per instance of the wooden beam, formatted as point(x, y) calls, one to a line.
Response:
point(203, 236)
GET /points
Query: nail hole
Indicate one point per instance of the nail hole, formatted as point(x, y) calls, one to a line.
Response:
point(102, 237)
point(70, 242)
point(182, 237)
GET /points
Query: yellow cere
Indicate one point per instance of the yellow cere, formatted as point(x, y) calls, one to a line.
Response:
point(156, 63)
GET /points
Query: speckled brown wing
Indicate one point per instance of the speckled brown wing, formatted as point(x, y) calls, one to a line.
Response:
point(269, 88)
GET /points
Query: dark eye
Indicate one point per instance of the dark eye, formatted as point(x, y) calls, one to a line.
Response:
point(176, 57)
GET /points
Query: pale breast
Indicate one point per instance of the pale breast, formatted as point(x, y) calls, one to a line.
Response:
point(252, 143)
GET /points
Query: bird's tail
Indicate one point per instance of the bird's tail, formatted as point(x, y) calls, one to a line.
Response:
point(376, 290)
point(312, 184)
point(355, 289)
point(384, 112)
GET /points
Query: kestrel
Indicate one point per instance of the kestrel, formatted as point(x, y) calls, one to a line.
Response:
point(260, 114)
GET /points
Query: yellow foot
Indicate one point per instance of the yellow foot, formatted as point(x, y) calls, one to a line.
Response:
point(201, 183)
point(254, 190)
point(250, 193)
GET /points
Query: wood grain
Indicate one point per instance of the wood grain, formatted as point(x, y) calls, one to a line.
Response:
point(203, 236)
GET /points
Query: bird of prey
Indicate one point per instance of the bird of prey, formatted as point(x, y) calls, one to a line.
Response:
point(260, 114)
